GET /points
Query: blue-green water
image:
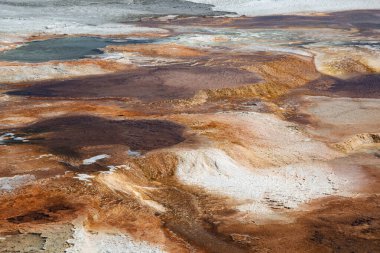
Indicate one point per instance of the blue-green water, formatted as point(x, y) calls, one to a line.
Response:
point(64, 48)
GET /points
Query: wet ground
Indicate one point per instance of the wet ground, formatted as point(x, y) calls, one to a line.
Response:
point(61, 49)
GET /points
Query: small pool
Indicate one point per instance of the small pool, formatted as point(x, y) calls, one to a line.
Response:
point(72, 48)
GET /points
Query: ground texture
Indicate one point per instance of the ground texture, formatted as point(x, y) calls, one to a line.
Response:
point(173, 126)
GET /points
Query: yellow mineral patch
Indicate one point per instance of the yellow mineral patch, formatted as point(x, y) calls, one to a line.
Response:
point(280, 75)
point(347, 63)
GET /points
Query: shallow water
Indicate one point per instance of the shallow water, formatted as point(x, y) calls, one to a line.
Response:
point(64, 48)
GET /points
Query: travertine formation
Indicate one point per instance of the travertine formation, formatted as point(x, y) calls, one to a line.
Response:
point(191, 129)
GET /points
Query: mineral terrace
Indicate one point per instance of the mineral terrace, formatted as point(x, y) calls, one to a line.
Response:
point(177, 126)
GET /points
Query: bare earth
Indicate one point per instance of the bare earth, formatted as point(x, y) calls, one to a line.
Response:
point(227, 134)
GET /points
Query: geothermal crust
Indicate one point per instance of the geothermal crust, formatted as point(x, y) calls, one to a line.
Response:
point(192, 129)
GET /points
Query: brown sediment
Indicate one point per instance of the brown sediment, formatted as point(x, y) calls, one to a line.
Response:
point(339, 225)
point(35, 208)
point(150, 84)
point(359, 141)
point(56, 70)
point(163, 50)
point(193, 216)
point(217, 79)
point(355, 90)
point(158, 165)
point(107, 65)
point(330, 115)
point(364, 86)
point(186, 220)
point(194, 220)
point(361, 19)
point(32, 111)
point(280, 76)
point(181, 229)
point(68, 135)
point(347, 67)
point(216, 103)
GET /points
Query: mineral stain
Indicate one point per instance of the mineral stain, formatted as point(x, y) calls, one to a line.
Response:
point(68, 135)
